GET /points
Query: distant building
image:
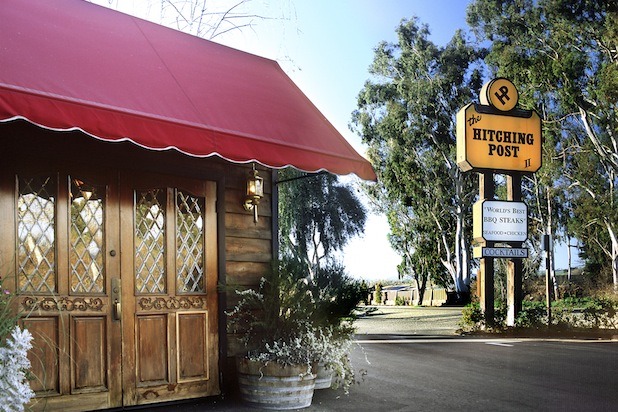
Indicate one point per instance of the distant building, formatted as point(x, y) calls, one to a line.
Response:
point(409, 295)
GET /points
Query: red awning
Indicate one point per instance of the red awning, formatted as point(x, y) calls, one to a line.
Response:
point(69, 64)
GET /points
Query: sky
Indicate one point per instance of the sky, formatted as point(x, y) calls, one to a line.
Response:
point(330, 56)
point(326, 48)
point(330, 45)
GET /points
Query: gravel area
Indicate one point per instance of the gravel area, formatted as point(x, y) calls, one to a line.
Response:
point(409, 320)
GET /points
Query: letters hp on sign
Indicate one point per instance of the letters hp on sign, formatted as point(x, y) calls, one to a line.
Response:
point(500, 221)
point(500, 93)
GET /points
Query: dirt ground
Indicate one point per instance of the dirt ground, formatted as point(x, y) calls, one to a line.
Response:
point(409, 320)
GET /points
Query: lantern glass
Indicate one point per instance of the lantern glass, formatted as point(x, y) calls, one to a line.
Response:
point(255, 187)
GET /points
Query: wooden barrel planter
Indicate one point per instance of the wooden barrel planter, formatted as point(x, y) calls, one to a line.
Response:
point(324, 377)
point(275, 386)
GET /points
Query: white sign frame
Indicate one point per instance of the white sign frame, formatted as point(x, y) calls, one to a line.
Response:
point(500, 221)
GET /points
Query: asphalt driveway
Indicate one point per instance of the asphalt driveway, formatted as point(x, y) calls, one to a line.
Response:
point(409, 320)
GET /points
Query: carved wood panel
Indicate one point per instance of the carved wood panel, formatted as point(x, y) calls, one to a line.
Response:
point(192, 335)
point(89, 354)
point(44, 356)
point(152, 350)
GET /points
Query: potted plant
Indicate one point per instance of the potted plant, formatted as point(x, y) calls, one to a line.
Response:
point(277, 370)
point(335, 297)
point(289, 325)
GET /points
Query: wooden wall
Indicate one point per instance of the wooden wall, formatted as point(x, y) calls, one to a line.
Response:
point(248, 245)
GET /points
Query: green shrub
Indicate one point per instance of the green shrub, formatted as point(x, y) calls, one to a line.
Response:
point(500, 311)
point(400, 301)
point(295, 319)
point(601, 313)
point(335, 295)
point(472, 317)
point(572, 302)
point(533, 315)
point(572, 312)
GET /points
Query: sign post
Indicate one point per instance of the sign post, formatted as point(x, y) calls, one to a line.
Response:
point(497, 137)
point(486, 272)
point(514, 272)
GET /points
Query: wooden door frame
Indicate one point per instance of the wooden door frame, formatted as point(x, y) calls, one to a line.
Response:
point(128, 184)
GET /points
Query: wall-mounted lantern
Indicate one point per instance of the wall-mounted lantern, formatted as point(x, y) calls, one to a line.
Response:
point(255, 192)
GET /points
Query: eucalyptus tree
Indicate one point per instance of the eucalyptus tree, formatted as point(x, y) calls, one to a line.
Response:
point(563, 55)
point(425, 265)
point(318, 215)
point(406, 114)
point(412, 239)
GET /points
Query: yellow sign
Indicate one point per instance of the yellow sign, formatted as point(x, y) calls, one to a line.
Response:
point(500, 93)
point(487, 140)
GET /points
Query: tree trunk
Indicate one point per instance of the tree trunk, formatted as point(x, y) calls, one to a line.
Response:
point(462, 284)
point(422, 287)
point(448, 261)
point(614, 255)
point(552, 269)
point(569, 270)
point(457, 265)
point(606, 155)
point(464, 291)
point(459, 276)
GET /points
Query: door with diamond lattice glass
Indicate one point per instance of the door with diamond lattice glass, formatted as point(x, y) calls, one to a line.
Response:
point(66, 237)
point(169, 294)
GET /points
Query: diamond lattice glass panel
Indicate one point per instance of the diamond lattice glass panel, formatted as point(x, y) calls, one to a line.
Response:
point(86, 238)
point(189, 243)
point(150, 241)
point(36, 206)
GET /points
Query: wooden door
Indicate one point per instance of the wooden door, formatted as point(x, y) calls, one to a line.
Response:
point(169, 296)
point(116, 282)
point(63, 233)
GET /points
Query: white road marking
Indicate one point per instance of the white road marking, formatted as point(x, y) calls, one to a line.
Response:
point(498, 344)
point(438, 340)
point(488, 341)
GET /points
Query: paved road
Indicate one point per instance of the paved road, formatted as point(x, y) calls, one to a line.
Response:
point(481, 375)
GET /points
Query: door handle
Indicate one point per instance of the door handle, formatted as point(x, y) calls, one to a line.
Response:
point(117, 310)
point(116, 298)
